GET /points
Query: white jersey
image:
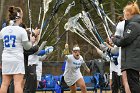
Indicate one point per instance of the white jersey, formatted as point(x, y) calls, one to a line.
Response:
point(119, 32)
point(33, 59)
point(72, 70)
point(120, 28)
point(113, 67)
point(12, 56)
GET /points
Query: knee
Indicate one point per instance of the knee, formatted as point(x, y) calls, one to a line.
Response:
point(83, 87)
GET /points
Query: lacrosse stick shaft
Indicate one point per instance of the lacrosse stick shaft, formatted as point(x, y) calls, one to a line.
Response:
point(54, 29)
point(30, 18)
point(91, 32)
point(95, 29)
point(86, 39)
point(100, 12)
point(66, 12)
point(46, 7)
point(89, 24)
point(54, 11)
point(39, 15)
point(59, 38)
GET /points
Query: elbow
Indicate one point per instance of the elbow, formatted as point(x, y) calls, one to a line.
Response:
point(27, 48)
point(27, 45)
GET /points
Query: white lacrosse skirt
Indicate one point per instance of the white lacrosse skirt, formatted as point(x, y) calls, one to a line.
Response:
point(72, 70)
point(13, 64)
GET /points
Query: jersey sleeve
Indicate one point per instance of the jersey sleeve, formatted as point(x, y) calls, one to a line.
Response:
point(120, 29)
point(82, 60)
point(24, 35)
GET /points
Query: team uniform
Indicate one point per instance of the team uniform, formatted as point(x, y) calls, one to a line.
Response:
point(119, 32)
point(72, 70)
point(12, 56)
point(115, 70)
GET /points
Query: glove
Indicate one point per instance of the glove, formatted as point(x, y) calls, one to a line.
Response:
point(66, 50)
point(32, 39)
point(103, 47)
point(49, 49)
point(43, 43)
point(66, 46)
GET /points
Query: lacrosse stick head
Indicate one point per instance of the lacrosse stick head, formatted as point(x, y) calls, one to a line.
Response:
point(73, 3)
point(69, 7)
point(46, 5)
point(96, 2)
point(56, 6)
point(79, 28)
point(86, 20)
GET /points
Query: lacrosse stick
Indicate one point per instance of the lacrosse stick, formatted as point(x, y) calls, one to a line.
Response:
point(97, 49)
point(46, 7)
point(74, 30)
point(72, 23)
point(54, 11)
point(30, 17)
point(89, 24)
point(95, 4)
point(66, 12)
point(73, 26)
point(39, 15)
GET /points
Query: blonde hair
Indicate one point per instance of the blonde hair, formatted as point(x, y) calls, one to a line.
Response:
point(132, 7)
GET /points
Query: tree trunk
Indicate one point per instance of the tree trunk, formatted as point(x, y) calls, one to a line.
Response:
point(57, 36)
point(113, 10)
point(1, 10)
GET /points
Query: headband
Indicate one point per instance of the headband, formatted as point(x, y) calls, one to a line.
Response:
point(76, 48)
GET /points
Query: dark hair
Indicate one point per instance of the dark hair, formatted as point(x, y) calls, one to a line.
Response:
point(120, 18)
point(14, 12)
point(23, 25)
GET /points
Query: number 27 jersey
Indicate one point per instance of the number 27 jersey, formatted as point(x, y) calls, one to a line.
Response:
point(13, 36)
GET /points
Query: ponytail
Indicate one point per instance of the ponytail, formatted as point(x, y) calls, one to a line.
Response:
point(132, 7)
point(14, 13)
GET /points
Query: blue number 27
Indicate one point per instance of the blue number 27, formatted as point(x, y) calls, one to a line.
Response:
point(9, 40)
